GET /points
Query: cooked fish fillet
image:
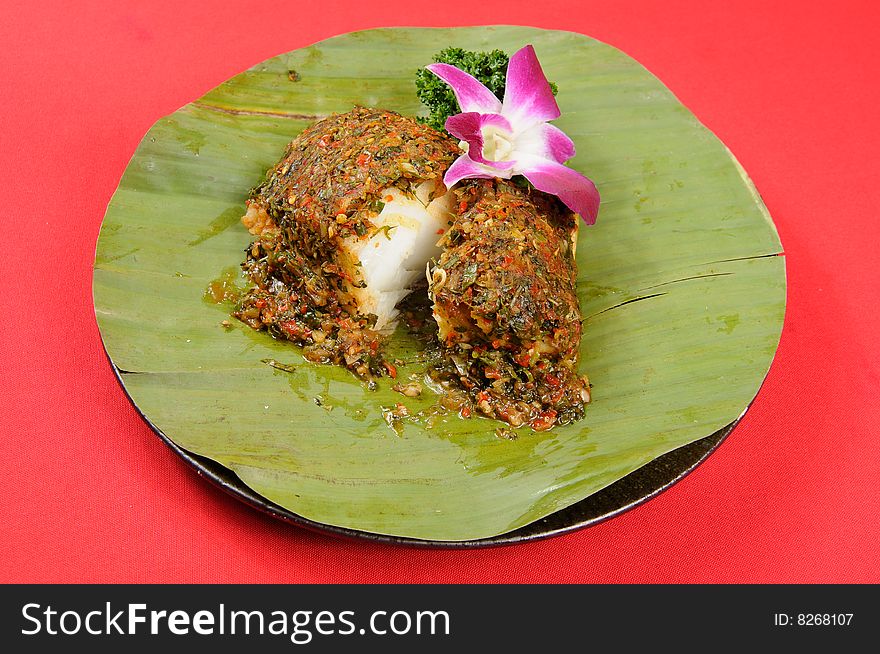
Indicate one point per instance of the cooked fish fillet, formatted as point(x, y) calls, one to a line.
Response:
point(361, 195)
point(394, 256)
point(346, 223)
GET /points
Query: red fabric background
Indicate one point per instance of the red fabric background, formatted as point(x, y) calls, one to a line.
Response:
point(89, 494)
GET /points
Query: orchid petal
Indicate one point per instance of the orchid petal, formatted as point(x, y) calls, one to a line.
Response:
point(469, 91)
point(465, 125)
point(528, 99)
point(577, 192)
point(469, 127)
point(545, 141)
point(466, 168)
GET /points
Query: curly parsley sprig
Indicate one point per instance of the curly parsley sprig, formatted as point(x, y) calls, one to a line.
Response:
point(490, 68)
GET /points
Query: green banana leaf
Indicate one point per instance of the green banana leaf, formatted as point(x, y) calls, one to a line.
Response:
point(681, 291)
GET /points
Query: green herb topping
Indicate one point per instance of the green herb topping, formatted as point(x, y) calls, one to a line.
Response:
point(490, 68)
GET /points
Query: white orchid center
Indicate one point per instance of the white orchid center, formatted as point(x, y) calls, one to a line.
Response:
point(497, 143)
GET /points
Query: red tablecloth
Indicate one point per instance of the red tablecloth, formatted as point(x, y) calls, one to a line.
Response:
point(89, 494)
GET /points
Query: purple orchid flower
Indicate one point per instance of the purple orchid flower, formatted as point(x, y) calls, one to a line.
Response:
point(514, 137)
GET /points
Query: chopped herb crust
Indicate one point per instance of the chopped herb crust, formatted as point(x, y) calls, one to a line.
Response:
point(505, 300)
